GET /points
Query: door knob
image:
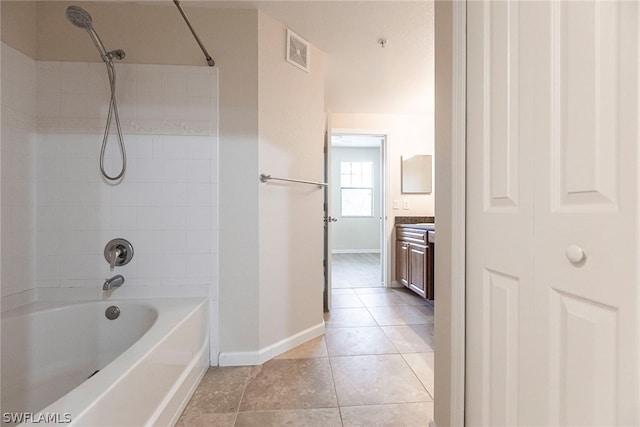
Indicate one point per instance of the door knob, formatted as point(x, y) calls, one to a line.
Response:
point(330, 219)
point(575, 254)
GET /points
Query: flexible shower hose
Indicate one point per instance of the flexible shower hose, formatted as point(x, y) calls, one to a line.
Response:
point(113, 111)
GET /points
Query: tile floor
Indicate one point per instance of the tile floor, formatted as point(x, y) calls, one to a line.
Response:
point(373, 367)
point(355, 270)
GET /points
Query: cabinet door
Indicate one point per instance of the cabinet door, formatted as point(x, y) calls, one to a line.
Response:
point(418, 269)
point(402, 262)
point(430, 270)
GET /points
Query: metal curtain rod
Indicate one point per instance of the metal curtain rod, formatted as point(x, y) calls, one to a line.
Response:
point(210, 61)
point(265, 178)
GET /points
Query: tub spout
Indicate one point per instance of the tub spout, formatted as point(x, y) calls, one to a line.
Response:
point(114, 282)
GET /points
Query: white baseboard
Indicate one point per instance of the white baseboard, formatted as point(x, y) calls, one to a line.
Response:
point(246, 358)
point(355, 251)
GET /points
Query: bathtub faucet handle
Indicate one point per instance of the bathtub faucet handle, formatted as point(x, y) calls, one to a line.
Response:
point(118, 252)
point(114, 282)
point(114, 255)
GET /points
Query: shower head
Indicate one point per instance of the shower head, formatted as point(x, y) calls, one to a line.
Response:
point(79, 17)
point(82, 19)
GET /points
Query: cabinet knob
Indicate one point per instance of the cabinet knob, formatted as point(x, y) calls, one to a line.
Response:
point(575, 254)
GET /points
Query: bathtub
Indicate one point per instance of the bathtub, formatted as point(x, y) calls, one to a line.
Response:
point(68, 364)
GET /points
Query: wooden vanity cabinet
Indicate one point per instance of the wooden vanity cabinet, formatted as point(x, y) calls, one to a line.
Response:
point(413, 256)
point(402, 262)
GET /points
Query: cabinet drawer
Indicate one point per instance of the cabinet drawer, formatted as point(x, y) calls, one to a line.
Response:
point(414, 235)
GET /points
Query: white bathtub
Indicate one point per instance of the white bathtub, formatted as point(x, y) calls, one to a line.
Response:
point(150, 359)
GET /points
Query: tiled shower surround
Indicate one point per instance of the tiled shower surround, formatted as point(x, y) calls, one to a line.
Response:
point(57, 211)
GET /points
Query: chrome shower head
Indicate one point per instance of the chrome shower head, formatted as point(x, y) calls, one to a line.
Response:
point(82, 19)
point(79, 17)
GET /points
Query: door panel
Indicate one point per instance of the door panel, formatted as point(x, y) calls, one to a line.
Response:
point(551, 341)
point(583, 105)
point(586, 195)
point(499, 218)
point(326, 262)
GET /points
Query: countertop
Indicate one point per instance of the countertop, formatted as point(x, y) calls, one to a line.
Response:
point(420, 226)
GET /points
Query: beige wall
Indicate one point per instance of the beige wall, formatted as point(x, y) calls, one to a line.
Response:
point(444, 212)
point(408, 134)
point(19, 26)
point(291, 145)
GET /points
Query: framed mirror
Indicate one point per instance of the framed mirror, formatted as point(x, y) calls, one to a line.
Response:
point(416, 174)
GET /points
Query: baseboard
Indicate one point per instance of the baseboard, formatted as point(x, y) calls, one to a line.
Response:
point(245, 358)
point(355, 251)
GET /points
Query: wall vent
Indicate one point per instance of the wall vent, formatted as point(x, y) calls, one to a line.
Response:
point(298, 51)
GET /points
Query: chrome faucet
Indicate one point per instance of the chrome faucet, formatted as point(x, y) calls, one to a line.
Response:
point(114, 282)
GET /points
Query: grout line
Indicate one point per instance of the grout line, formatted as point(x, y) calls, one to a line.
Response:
point(244, 389)
point(335, 390)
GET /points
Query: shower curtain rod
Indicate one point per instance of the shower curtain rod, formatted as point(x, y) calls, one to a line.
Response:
point(210, 61)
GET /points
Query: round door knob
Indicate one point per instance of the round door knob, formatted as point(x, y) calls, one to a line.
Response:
point(575, 254)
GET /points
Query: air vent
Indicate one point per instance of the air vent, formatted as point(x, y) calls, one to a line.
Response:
point(298, 52)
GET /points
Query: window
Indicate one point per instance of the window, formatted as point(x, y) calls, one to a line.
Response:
point(356, 189)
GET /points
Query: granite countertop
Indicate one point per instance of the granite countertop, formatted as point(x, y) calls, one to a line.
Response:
point(421, 226)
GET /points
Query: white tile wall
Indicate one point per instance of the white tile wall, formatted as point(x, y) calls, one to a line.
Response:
point(166, 206)
point(18, 183)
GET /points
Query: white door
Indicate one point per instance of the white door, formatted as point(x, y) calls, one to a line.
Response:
point(552, 137)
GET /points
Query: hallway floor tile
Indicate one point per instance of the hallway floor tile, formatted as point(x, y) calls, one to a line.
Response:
point(373, 366)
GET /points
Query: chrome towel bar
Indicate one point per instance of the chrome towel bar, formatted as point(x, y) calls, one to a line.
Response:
point(265, 178)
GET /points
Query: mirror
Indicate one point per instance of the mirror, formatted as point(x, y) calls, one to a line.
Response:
point(416, 174)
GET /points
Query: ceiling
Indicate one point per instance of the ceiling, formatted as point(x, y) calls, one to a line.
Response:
point(362, 76)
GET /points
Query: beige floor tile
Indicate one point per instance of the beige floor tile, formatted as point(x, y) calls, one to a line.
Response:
point(380, 379)
point(410, 297)
point(422, 365)
point(290, 384)
point(193, 419)
point(373, 290)
point(342, 291)
point(427, 310)
point(382, 299)
point(411, 338)
point(395, 415)
point(349, 317)
point(219, 391)
point(358, 341)
point(398, 315)
point(312, 348)
point(325, 417)
point(346, 301)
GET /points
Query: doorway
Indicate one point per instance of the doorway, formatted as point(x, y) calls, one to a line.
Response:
point(356, 201)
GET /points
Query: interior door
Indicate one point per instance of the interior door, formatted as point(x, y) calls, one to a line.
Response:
point(326, 262)
point(552, 214)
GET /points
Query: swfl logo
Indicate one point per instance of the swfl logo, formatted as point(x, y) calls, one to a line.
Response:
point(40, 417)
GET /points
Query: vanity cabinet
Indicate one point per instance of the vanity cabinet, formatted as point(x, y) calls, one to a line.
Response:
point(414, 260)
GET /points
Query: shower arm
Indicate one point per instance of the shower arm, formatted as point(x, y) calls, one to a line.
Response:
point(210, 61)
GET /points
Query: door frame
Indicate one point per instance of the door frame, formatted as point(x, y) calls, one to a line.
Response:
point(450, 358)
point(384, 184)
